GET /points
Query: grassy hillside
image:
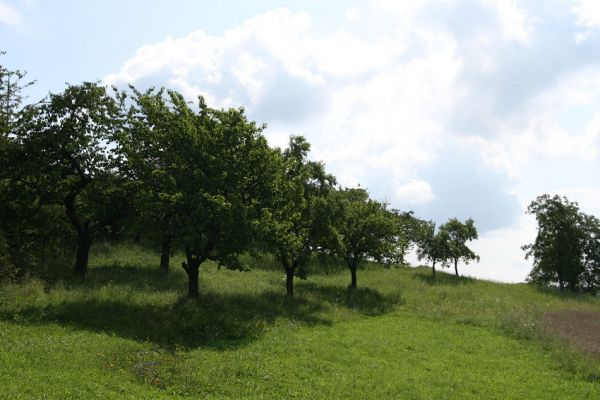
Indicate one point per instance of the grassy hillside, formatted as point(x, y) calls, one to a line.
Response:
point(127, 332)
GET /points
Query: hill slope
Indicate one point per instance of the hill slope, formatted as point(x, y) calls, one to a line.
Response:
point(126, 332)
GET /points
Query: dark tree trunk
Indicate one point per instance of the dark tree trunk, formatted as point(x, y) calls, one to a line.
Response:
point(289, 273)
point(353, 274)
point(192, 268)
point(165, 254)
point(433, 268)
point(84, 242)
point(456, 267)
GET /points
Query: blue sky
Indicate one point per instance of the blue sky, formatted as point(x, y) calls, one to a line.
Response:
point(466, 108)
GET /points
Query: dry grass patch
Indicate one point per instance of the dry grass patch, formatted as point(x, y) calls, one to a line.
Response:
point(578, 327)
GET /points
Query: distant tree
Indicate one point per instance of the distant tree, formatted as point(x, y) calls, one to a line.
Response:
point(209, 170)
point(459, 234)
point(431, 246)
point(590, 279)
point(406, 234)
point(297, 221)
point(565, 243)
point(365, 228)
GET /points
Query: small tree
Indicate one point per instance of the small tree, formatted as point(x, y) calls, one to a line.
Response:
point(297, 221)
point(406, 234)
point(431, 246)
point(365, 229)
point(459, 234)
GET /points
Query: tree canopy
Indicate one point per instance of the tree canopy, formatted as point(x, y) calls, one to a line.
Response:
point(566, 250)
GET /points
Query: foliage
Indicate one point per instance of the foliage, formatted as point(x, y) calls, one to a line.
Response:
point(433, 247)
point(208, 168)
point(366, 230)
point(297, 219)
point(69, 140)
point(566, 250)
point(459, 234)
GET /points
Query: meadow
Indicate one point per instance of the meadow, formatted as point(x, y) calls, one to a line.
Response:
point(126, 331)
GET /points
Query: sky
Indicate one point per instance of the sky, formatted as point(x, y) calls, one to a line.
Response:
point(450, 108)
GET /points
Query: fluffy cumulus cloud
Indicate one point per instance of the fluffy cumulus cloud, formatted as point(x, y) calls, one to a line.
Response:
point(452, 108)
point(10, 16)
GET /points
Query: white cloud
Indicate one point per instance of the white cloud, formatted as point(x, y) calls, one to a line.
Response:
point(10, 16)
point(352, 13)
point(414, 191)
point(447, 115)
point(516, 25)
point(587, 13)
point(500, 250)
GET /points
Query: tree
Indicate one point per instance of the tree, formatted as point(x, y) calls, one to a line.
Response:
point(558, 250)
point(365, 229)
point(143, 144)
point(406, 234)
point(433, 247)
point(298, 220)
point(11, 95)
point(69, 139)
point(212, 168)
point(459, 234)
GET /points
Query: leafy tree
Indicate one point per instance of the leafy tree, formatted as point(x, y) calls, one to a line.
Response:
point(28, 224)
point(433, 247)
point(459, 234)
point(143, 144)
point(69, 139)
point(559, 245)
point(210, 169)
point(590, 278)
point(365, 229)
point(11, 95)
point(406, 234)
point(298, 220)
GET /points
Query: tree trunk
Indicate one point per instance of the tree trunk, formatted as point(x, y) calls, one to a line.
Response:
point(289, 273)
point(192, 268)
point(84, 242)
point(165, 254)
point(456, 267)
point(433, 268)
point(353, 274)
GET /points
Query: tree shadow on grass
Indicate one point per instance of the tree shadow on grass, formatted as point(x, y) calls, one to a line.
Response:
point(363, 300)
point(135, 275)
point(441, 278)
point(214, 320)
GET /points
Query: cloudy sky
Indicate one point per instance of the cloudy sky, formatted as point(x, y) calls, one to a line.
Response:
point(466, 108)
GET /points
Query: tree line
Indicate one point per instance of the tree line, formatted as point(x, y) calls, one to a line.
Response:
point(92, 163)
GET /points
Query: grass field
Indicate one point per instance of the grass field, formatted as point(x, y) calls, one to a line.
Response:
point(128, 332)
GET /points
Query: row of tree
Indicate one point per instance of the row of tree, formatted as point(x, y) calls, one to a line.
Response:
point(87, 164)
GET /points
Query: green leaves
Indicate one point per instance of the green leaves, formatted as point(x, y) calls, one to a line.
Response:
point(566, 250)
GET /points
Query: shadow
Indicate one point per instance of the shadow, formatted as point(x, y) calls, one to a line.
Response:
point(213, 320)
point(134, 275)
point(363, 300)
point(441, 278)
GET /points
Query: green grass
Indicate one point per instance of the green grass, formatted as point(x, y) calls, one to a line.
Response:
point(128, 332)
